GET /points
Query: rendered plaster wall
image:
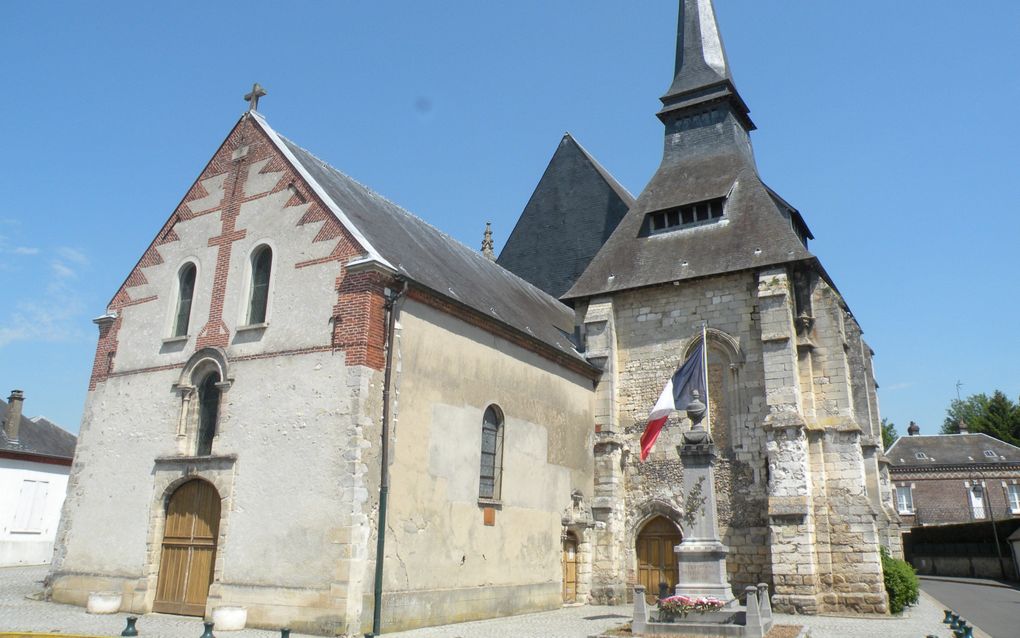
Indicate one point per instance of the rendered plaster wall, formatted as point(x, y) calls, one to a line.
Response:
point(292, 526)
point(443, 563)
point(32, 545)
point(653, 329)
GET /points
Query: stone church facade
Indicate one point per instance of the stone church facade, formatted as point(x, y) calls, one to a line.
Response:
point(297, 369)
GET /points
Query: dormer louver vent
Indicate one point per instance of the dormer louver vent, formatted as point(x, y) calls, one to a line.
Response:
point(696, 214)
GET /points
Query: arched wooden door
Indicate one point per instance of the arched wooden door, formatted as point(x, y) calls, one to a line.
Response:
point(570, 568)
point(656, 560)
point(189, 550)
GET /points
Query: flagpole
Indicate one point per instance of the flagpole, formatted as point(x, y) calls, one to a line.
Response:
point(704, 369)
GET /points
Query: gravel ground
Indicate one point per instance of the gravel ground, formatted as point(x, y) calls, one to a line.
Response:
point(18, 613)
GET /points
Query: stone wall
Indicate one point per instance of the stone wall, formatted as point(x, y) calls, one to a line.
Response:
point(649, 334)
point(800, 485)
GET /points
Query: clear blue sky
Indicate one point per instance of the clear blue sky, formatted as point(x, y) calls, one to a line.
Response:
point(890, 125)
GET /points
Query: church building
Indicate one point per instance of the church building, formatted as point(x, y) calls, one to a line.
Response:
point(312, 404)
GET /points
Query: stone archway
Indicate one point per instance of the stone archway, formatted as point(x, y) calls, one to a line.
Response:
point(188, 549)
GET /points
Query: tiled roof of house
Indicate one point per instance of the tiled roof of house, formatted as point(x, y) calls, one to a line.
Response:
point(950, 449)
point(38, 436)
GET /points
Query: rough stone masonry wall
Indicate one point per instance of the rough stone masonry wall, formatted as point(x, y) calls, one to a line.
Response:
point(653, 329)
point(846, 519)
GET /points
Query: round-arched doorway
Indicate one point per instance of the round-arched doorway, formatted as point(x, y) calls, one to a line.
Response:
point(656, 560)
point(189, 549)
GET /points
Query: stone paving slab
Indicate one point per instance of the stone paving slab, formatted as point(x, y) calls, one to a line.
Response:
point(19, 613)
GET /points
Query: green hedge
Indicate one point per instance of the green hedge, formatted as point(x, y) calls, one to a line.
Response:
point(900, 582)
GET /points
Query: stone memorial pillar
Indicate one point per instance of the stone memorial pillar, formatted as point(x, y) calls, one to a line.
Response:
point(701, 555)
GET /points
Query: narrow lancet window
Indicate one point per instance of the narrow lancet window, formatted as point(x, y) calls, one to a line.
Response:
point(208, 412)
point(491, 473)
point(185, 293)
point(261, 265)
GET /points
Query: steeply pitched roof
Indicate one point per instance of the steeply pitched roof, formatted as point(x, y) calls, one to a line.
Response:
point(572, 212)
point(707, 155)
point(433, 259)
point(755, 232)
point(38, 436)
point(950, 449)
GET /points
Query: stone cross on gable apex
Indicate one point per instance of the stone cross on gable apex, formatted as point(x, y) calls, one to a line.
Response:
point(253, 98)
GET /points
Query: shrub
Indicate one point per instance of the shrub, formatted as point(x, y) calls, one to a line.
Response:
point(900, 582)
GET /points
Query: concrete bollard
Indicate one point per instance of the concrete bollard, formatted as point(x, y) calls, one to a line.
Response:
point(640, 621)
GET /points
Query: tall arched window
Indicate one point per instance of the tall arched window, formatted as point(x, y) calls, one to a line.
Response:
point(185, 292)
point(261, 265)
point(490, 477)
point(208, 412)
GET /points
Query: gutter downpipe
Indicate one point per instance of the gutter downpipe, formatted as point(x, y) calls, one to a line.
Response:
point(392, 310)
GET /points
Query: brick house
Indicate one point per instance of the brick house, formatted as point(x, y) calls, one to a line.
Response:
point(954, 478)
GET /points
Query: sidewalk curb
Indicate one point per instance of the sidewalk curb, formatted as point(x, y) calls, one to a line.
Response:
point(967, 581)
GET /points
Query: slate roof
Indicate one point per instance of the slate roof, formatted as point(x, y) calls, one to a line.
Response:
point(38, 436)
point(433, 259)
point(950, 449)
point(574, 209)
point(707, 155)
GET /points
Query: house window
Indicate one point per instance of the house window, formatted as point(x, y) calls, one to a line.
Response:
point(990, 454)
point(491, 474)
point(904, 499)
point(185, 292)
point(28, 517)
point(208, 412)
point(261, 265)
point(1013, 492)
point(689, 215)
point(977, 501)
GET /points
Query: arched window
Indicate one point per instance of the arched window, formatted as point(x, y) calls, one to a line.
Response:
point(208, 412)
point(185, 292)
point(261, 265)
point(490, 477)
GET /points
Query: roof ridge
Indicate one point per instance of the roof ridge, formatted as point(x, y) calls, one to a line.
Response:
point(609, 178)
point(474, 253)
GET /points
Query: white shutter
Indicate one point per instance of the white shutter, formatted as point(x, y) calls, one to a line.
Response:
point(28, 517)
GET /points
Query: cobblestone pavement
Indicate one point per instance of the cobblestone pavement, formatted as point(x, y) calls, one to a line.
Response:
point(18, 613)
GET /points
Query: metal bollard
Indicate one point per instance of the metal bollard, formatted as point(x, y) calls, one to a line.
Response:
point(208, 630)
point(130, 630)
point(285, 632)
point(949, 616)
point(664, 591)
point(955, 623)
point(968, 632)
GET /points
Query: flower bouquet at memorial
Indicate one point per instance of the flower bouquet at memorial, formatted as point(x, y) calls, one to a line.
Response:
point(674, 607)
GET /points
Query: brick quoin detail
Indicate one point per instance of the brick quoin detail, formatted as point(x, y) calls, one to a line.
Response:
point(359, 318)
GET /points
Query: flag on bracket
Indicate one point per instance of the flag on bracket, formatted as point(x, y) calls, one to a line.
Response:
point(676, 395)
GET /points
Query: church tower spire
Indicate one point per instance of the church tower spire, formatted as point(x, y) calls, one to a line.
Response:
point(702, 71)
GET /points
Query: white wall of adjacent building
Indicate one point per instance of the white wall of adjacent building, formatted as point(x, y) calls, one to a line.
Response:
point(31, 495)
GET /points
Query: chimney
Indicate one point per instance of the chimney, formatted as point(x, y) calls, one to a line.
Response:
point(962, 426)
point(13, 422)
point(913, 430)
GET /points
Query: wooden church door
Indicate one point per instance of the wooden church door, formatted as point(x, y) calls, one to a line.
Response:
point(189, 550)
point(569, 569)
point(656, 560)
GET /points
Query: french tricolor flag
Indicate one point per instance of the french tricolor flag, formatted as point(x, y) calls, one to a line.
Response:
point(676, 395)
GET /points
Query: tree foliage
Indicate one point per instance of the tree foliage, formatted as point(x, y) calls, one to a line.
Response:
point(889, 434)
point(996, 415)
